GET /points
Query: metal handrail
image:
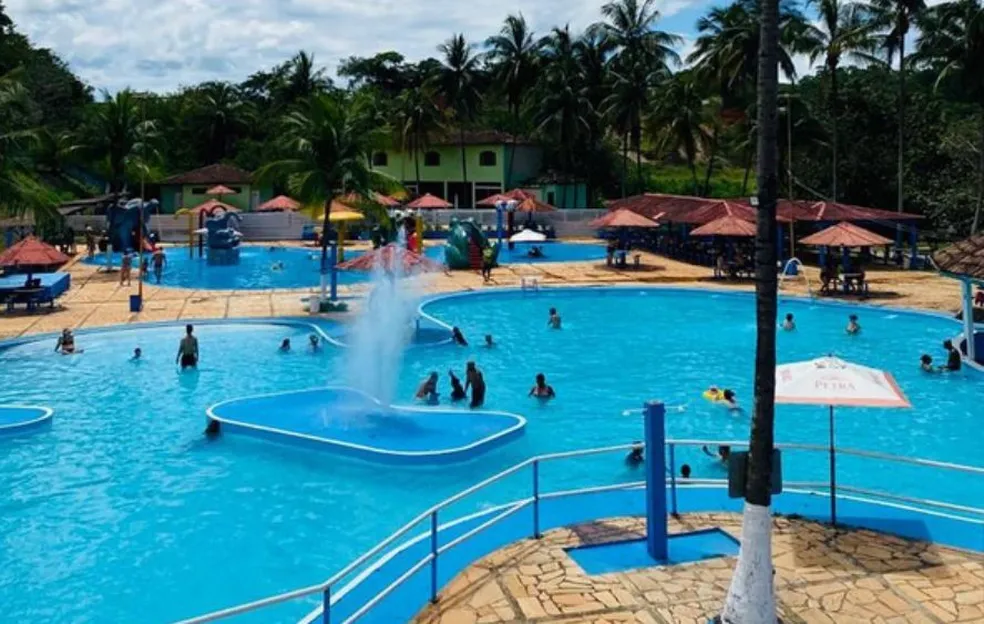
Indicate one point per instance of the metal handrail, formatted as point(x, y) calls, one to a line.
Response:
point(508, 509)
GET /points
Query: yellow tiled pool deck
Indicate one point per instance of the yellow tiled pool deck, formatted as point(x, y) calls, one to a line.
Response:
point(96, 298)
point(822, 575)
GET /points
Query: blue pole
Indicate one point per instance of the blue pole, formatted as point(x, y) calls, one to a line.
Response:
point(656, 523)
point(914, 244)
point(780, 242)
point(433, 565)
point(536, 498)
point(326, 606)
point(332, 261)
point(498, 222)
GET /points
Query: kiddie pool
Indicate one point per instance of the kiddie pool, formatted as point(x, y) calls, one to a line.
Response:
point(122, 510)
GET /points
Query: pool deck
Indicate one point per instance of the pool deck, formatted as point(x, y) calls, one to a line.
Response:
point(822, 576)
point(96, 299)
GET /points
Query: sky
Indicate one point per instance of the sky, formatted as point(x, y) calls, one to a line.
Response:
point(160, 45)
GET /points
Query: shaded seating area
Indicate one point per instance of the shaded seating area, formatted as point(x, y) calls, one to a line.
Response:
point(619, 226)
point(27, 280)
point(964, 261)
point(849, 276)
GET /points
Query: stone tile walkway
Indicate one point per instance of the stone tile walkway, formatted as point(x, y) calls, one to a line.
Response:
point(822, 576)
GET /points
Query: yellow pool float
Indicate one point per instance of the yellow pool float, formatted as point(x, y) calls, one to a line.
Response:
point(714, 394)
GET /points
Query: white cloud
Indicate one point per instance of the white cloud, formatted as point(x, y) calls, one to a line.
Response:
point(162, 44)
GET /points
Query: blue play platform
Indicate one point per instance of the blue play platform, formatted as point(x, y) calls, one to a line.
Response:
point(17, 418)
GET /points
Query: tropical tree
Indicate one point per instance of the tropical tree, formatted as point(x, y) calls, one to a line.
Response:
point(514, 56)
point(894, 18)
point(751, 596)
point(643, 55)
point(221, 113)
point(677, 119)
point(20, 192)
point(456, 81)
point(844, 30)
point(952, 41)
point(303, 79)
point(417, 118)
point(564, 110)
point(118, 135)
point(327, 141)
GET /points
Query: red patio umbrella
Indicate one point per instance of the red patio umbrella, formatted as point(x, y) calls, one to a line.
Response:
point(624, 217)
point(32, 253)
point(532, 204)
point(210, 207)
point(845, 234)
point(516, 194)
point(429, 202)
point(220, 190)
point(280, 202)
point(726, 226)
point(386, 200)
point(391, 258)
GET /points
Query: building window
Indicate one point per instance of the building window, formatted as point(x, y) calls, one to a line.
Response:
point(486, 159)
point(432, 159)
point(380, 159)
point(552, 200)
point(199, 190)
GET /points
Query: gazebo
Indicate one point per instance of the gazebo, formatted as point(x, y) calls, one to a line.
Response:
point(964, 261)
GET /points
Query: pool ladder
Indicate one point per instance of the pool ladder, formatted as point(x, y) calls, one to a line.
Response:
point(529, 284)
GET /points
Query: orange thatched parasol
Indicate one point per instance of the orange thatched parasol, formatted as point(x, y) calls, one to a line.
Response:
point(280, 202)
point(208, 208)
point(532, 204)
point(517, 195)
point(624, 217)
point(32, 252)
point(726, 226)
point(392, 258)
point(220, 190)
point(429, 202)
point(386, 200)
point(845, 234)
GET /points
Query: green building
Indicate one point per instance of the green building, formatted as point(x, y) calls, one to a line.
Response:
point(494, 163)
point(187, 190)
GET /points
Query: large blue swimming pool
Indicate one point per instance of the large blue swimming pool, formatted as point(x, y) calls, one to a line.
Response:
point(121, 511)
point(292, 267)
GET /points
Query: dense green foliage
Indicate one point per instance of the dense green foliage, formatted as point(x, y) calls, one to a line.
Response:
point(613, 105)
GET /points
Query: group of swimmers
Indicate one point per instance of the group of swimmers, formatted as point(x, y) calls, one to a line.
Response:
point(954, 361)
point(636, 457)
point(158, 259)
point(314, 344)
point(853, 327)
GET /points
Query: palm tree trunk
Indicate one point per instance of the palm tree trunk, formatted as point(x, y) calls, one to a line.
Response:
point(901, 165)
point(751, 596)
point(710, 162)
point(512, 151)
point(464, 165)
point(693, 173)
point(833, 133)
point(416, 159)
point(324, 253)
point(625, 162)
point(980, 178)
point(637, 142)
point(748, 169)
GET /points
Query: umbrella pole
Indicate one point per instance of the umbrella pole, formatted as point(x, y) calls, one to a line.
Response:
point(833, 472)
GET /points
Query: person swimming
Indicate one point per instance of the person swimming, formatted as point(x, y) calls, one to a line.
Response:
point(541, 390)
point(428, 389)
point(728, 398)
point(636, 456)
point(553, 321)
point(285, 346)
point(789, 324)
point(313, 343)
point(277, 266)
point(853, 327)
point(213, 429)
point(188, 349)
point(953, 359)
point(136, 354)
point(476, 381)
point(66, 342)
point(926, 363)
point(685, 471)
point(488, 341)
point(458, 337)
point(457, 391)
point(723, 453)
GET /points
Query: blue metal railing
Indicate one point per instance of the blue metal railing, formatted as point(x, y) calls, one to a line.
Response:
point(330, 597)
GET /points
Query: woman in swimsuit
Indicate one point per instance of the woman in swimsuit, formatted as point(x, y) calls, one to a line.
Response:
point(427, 390)
point(541, 390)
point(66, 342)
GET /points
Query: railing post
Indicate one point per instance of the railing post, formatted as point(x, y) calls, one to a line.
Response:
point(434, 556)
point(536, 498)
point(326, 606)
point(673, 493)
point(654, 417)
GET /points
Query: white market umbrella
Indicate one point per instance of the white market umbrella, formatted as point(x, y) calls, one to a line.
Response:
point(833, 382)
point(527, 236)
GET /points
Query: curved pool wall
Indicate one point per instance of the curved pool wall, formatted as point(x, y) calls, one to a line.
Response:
point(350, 422)
point(122, 503)
point(19, 418)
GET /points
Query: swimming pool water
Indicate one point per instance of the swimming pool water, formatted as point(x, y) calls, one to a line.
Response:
point(293, 267)
point(121, 511)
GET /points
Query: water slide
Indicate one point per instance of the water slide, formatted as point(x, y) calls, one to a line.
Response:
point(464, 246)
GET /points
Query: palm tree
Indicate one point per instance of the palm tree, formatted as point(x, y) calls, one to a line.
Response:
point(751, 597)
point(514, 57)
point(643, 55)
point(457, 83)
point(564, 109)
point(895, 17)
point(417, 118)
point(118, 134)
point(303, 79)
point(327, 141)
point(952, 41)
point(845, 29)
point(222, 113)
point(677, 119)
point(20, 192)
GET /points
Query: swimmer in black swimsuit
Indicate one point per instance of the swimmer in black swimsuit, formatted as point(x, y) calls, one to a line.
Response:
point(458, 337)
point(457, 391)
point(635, 457)
point(285, 346)
point(475, 380)
point(953, 359)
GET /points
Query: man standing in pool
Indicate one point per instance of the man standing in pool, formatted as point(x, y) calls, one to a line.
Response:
point(188, 349)
point(953, 359)
point(159, 260)
point(554, 320)
point(475, 380)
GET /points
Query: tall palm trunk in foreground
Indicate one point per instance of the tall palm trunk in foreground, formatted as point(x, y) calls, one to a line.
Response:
point(751, 598)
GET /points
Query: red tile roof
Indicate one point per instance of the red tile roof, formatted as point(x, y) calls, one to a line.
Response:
point(726, 226)
point(845, 234)
point(964, 259)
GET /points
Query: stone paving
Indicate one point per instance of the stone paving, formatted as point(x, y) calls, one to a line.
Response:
point(822, 576)
point(96, 298)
